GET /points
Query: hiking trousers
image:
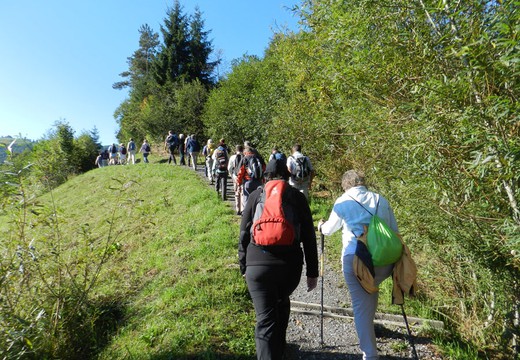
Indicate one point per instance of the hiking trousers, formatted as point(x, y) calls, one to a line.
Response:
point(364, 305)
point(270, 287)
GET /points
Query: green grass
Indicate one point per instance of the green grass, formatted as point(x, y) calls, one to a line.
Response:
point(173, 271)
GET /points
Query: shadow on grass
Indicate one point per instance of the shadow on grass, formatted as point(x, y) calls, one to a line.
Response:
point(108, 319)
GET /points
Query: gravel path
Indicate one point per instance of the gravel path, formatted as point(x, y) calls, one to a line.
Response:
point(339, 335)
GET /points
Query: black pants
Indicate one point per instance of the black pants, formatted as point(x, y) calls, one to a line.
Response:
point(221, 175)
point(270, 288)
point(172, 157)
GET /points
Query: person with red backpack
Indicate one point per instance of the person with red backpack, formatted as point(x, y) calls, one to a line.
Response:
point(250, 173)
point(276, 222)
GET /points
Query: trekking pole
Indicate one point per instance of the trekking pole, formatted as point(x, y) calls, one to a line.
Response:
point(322, 257)
point(410, 338)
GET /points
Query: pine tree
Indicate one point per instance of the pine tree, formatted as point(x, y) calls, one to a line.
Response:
point(200, 50)
point(173, 58)
point(140, 62)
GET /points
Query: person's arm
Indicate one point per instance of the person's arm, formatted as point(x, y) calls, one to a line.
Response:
point(332, 225)
point(311, 175)
point(245, 229)
point(307, 236)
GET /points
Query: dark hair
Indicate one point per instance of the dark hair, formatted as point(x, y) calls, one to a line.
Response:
point(297, 147)
point(276, 169)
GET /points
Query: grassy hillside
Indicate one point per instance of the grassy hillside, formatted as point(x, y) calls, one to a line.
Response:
point(170, 287)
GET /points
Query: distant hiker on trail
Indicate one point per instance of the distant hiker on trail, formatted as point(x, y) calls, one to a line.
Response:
point(146, 150)
point(273, 268)
point(105, 156)
point(99, 160)
point(112, 150)
point(131, 151)
point(301, 170)
point(277, 154)
point(350, 213)
point(182, 149)
point(122, 154)
point(220, 159)
point(233, 167)
point(207, 151)
point(193, 147)
point(250, 173)
point(171, 144)
point(188, 137)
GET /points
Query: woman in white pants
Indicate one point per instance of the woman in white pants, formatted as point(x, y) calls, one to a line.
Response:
point(351, 211)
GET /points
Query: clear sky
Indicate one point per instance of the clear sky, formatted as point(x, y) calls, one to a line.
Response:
point(59, 58)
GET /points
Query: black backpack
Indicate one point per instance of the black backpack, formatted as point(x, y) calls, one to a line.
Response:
point(222, 160)
point(254, 168)
point(302, 168)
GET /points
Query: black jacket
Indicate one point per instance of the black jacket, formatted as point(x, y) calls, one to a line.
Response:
point(250, 254)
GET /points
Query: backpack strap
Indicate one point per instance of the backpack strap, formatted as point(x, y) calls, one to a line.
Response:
point(365, 207)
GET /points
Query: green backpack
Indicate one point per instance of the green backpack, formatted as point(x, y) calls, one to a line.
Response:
point(383, 243)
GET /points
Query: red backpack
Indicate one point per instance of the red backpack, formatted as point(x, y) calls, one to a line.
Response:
point(270, 225)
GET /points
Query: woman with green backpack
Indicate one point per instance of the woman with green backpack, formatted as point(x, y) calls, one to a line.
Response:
point(352, 212)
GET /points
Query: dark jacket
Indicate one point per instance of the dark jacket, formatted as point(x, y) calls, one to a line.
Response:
point(250, 254)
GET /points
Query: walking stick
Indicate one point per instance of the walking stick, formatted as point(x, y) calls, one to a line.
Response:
point(410, 338)
point(321, 301)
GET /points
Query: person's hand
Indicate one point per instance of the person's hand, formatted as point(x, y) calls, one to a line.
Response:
point(320, 223)
point(312, 282)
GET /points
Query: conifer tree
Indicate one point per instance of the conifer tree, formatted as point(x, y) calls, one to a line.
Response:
point(140, 62)
point(173, 58)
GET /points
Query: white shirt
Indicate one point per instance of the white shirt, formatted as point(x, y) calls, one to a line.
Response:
point(292, 165)
point(231, 165)
point(350, 216)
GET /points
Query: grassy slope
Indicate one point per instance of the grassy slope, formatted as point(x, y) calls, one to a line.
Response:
point(175, 272)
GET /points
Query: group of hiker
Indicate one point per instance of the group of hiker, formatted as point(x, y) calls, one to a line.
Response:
point(121, 154)
point(277, 233)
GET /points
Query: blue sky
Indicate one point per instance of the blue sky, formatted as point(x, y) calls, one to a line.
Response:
point(60, 57)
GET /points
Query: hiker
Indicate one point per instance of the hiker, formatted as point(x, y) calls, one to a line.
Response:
point(272, 273)
point(188, 137)
point(146, 150)
point(301, 170)
point(99, 160)
point(277, 154)
point(112, 150)
point(122, 154)
point(193, 148)
point(233, 167)
point(220, 159)
point(182, 150)
point(105, 156)
point(170, 144)
point(350, 213)
point(250, 173)
point(207, 151)
point(131, 151)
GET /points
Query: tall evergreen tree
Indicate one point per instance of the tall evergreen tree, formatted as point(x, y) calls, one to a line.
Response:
point(140, 62)
point(200, 49)
point(174, 56)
